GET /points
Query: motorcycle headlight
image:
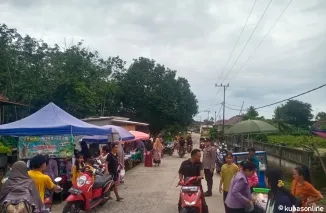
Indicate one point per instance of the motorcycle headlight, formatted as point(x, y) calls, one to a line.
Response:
point(81, 181)
point(190, 203)
point(4, 180)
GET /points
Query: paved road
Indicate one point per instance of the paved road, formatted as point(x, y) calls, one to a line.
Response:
point(152, 190)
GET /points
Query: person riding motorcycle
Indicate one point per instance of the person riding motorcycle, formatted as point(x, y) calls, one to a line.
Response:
point(189, 141)
point(19, 191)
point(193, 167)
point(182, 143)
point(42, 181)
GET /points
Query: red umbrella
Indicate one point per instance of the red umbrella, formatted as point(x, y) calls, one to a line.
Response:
point(140, 135)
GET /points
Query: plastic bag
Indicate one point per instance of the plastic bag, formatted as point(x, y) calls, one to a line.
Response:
point(122, 173)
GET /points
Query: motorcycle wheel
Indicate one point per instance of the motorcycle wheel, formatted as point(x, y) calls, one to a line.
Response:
point(189, 210)
point(171, 152)
point(71, 207)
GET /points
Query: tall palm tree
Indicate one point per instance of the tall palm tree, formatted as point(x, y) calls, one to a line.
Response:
point(280, 119)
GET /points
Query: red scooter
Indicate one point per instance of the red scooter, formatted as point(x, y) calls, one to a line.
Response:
point(88, 193)
point(190, 196)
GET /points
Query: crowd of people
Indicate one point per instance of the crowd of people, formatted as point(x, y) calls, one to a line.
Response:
point(29, 184)
point(237, 182)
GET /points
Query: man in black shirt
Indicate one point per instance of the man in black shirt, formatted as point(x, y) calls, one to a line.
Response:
point(193, 168)
point(111, 166)
point(182, 142)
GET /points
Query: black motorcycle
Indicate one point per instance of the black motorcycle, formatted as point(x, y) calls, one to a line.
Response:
point(219, 162)
point(168, 149)
point(181, 151)
point(189, 148)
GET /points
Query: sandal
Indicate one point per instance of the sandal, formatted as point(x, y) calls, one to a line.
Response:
point(120, 199)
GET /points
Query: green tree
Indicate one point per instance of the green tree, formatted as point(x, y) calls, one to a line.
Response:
point(321, 116)
point(279, 118)
point(321, 120)
point(297, 113)
point(151, 93)
point(251, 114)
point(84, 84)
point(34, 73)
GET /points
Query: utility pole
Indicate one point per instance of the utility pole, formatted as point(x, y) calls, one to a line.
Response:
point(224, 88)
point(241, 108)
point(215, 118)
point(207, 114)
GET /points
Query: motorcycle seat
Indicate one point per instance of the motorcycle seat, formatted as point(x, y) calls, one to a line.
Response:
point(100, 181)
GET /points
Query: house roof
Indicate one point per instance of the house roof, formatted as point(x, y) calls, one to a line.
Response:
point(129, 122)
point(116, 119)
point(233, 120)
point(5, 101)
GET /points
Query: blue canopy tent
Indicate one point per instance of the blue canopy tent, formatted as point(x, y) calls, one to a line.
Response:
point(52, 120)
point(122, 134)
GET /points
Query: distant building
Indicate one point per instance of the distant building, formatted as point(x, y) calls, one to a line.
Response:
point(4, 101)
point(205, 129)
point(228, 123)
point(118, 121)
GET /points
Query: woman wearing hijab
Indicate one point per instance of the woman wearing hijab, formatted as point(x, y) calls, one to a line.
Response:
point(20, 189)
point(158, 148)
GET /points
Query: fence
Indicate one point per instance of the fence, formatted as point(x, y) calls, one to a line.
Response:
point(283, 153)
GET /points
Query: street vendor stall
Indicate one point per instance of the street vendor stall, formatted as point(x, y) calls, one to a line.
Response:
point(50, 131)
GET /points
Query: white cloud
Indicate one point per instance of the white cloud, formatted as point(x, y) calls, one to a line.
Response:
point(196, 38)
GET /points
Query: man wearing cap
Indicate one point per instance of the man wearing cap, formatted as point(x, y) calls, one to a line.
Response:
point(209, 157)
point(252, 156)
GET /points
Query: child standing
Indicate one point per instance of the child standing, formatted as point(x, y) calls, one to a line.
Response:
point(228, 170)
point(253, 180)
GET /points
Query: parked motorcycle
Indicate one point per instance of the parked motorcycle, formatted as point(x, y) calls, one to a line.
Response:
point(181, 151)
point(168, 149)
point(190, 196)
point(223, 148)
point(99, 166)
point(88, 193)
point(219, 161)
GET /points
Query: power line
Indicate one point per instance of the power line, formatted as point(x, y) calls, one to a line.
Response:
point(219, 111)
point(232, 108)
point(261, 40)
point(248, 40)
point(236, 43)
point(292, 97)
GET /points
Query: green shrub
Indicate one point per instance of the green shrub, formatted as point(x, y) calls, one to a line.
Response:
point(296, 141)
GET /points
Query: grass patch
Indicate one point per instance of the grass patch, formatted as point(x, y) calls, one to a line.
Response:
point(296, 141)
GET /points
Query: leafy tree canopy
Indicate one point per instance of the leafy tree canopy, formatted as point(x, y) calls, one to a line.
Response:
point(84, 84)
point(294, 112)
point(252, 114)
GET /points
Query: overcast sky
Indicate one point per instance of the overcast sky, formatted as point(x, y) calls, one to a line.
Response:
point(197, 38)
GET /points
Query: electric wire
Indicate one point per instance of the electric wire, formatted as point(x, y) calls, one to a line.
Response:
point(236, 43)
point(292, 97)
point(237, 72)
point(247, 41)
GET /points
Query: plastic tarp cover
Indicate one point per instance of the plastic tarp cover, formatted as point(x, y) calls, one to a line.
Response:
point(51, 120)
point(320, 133)
point(122, 133)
